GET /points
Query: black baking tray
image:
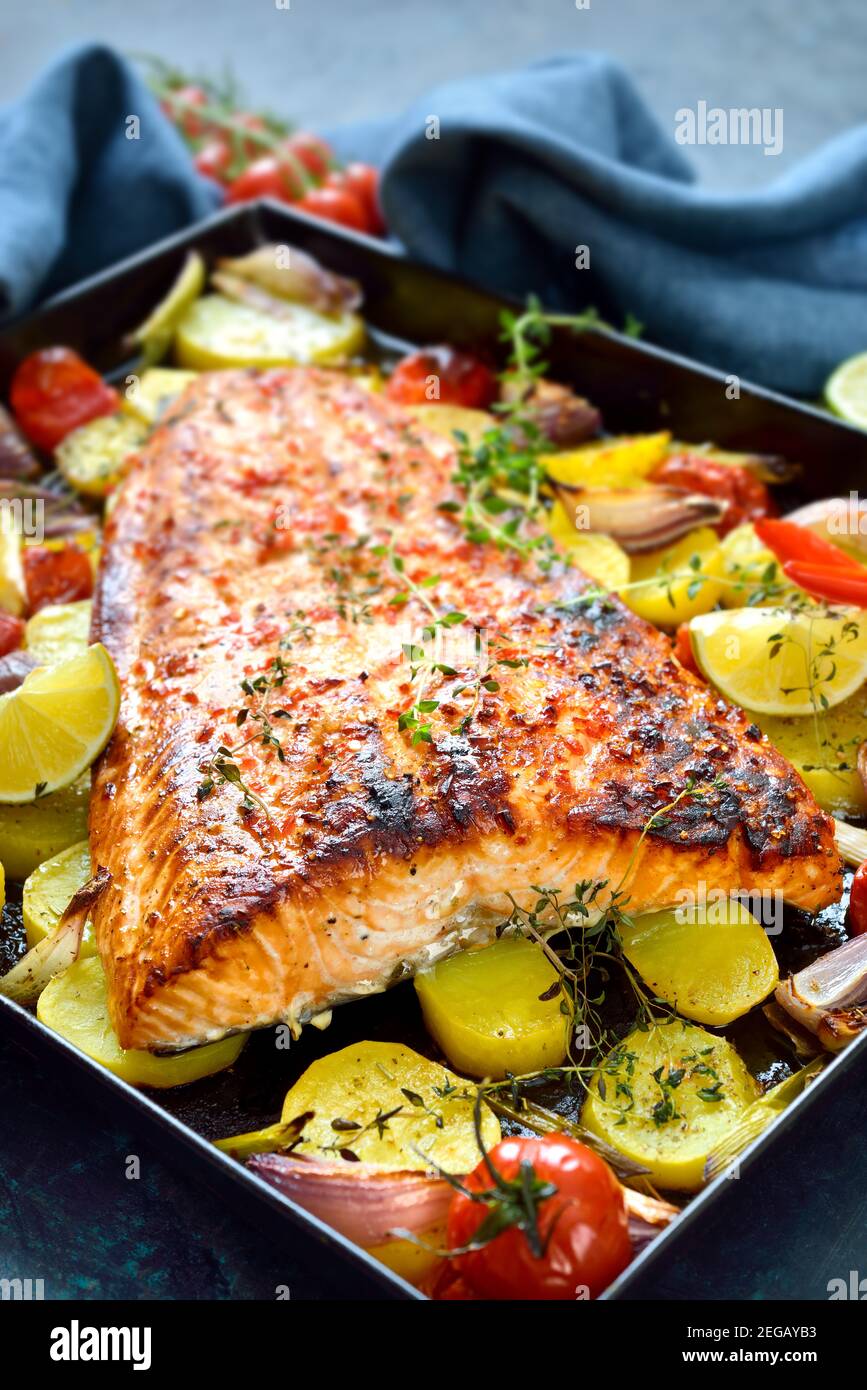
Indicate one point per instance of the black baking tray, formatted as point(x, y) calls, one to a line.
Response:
point(638, 388)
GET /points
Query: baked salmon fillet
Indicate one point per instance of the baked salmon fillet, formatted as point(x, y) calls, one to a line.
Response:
point(249, 565)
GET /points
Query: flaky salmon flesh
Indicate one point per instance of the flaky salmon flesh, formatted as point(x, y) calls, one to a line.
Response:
point(258, 526)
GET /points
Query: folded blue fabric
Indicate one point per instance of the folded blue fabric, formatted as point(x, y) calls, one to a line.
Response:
point(76, 193)
point(526, 167)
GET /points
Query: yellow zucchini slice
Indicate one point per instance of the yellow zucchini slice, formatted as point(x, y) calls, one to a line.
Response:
point(670, 585)
point(93, 457)
point(351, 1093)
point(75, 1005)
point(59, 631)
point(711, 963)
point(216, 332)
point(492, 1011)
point(48, 891)
point(666, 1097)
point(33, 831)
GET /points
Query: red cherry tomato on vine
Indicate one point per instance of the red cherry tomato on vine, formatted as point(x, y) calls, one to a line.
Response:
point(214, 158)
point(54, 391)
point(566, 1232)
point(55, 576)
point(177, 107)
point(363, 181)
point(335, 205)
point(442, 374)
point(315, 154)
point(857, 919)
point(11, 633)
point(253, 149)
point(267, 177)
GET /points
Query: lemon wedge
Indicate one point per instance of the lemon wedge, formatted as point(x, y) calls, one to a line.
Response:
point(846, 391)
point(774, 661)
point(54, 725)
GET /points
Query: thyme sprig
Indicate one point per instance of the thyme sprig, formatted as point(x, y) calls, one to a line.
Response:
point(223, 768)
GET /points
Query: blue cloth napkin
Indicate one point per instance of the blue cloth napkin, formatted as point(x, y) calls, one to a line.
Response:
point(527, 166)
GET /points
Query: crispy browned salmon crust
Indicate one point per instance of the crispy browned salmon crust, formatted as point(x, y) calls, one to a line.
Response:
point(247, 531)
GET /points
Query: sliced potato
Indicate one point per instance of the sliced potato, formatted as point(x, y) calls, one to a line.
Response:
point(75, 1005)
point(349, 1090)
point(154, 336)
point(59, 631)
point(823, 748)
point(446, 419)
point(492, 1010)
point(93, 457)
point(48, 891)
point(677, 582)
point(598, 556)
point(610, 463)
point(2, 888)
point(666, 1097)
point(12, 591)
point(712, 962)
point(32, 832)
point(216, 332)
point(149, 395)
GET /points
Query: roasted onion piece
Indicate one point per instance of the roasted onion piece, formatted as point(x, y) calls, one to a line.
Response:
point(17, 459)
point(842, 520)
point(363, 1202)
point(639, 519)
point(285, 273)
point(562, 417)
point(829, 997)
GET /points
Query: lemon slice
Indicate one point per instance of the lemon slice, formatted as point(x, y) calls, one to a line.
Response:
point(846, 391)
point(54, 725)
point(155, 334)
point(773, 661)
point(215, 333)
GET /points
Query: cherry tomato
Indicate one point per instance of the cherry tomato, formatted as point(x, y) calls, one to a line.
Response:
point(683, 650)
point(857, 918)
point(363, 181)
point(315, 154)
point(54, 391)
point(176, 106)
point(745, 495)
point(55, 576)
point(442, 374)
point(335, 205)
point(253, 149)
point(268, 177)
point(214, 158)
point(11, 633)
point(578, 1225)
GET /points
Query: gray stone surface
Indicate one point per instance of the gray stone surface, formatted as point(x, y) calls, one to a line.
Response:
point(326, 61)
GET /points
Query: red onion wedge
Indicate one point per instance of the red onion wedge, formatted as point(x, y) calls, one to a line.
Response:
point(829, 997)
point(363, 1202)
point(28, 978)
point(639, 519)
point(281, 273)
